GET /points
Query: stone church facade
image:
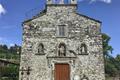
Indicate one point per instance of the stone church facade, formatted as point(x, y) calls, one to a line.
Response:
point(61, 44)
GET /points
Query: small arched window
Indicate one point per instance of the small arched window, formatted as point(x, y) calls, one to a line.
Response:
point(40, 48)
point(62, 49)
point(83, 48)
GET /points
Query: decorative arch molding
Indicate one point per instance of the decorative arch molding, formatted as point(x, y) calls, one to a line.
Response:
point(40, 49)
point(62, 50)
point(83, 50)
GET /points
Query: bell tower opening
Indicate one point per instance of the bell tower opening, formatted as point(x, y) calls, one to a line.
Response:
point(61, 2)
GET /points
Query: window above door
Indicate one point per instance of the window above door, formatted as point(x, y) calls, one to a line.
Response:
point(62, 31)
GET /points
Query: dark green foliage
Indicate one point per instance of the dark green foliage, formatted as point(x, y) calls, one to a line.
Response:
point(9, 72)
point(11, 50)
point(106, 47)
point(117, 64)
point(112, 65)
point(10, 53)
point(3, 49)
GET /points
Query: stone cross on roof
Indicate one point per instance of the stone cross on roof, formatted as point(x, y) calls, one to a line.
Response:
point(61, 1)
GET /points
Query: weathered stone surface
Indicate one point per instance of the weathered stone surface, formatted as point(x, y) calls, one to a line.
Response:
point(80, 29)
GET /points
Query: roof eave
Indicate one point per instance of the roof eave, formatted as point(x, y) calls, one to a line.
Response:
point(34, 17)
point(89, 18)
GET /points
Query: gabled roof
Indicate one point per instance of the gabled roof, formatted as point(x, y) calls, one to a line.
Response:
point(44, 12)
point(88, 17)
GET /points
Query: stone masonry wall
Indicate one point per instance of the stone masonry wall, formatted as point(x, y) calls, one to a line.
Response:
point(79, 29)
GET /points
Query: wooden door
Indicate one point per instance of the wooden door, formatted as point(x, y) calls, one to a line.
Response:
point(62, 72)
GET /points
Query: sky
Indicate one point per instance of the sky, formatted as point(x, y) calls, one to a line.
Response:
point(14, 12)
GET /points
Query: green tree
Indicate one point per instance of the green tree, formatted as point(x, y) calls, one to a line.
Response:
point(5, 47)
point(14, 49)
point(106, 47)
point(117, 63)
point(110, 68)
point(112, 65)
